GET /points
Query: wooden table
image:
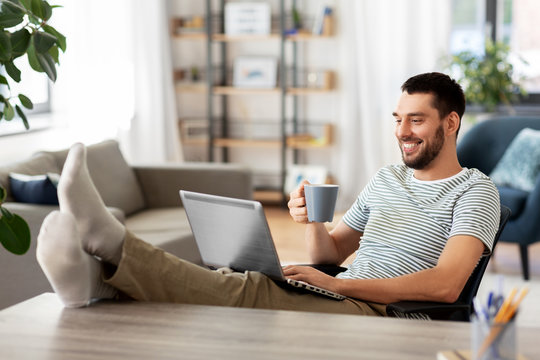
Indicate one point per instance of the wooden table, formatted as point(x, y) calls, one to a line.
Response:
point(41, 328)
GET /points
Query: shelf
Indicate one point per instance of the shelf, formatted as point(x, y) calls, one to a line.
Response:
point(231, 90)
point(244, 143)
point(191, 36)
point(239, 38)
point(291, 143)
point(307, 37)
point(234, 38)
point(214, 134)
point(191, 88)
point(314, 144)
point(307, 91)
point(195, 142)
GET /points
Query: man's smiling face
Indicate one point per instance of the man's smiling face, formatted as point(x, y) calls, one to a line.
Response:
point(419, 130)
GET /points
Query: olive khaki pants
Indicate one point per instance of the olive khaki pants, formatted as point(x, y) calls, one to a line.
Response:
point(147, 273)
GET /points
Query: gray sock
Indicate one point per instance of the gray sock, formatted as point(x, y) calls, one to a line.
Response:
point(74, 274)
point(100, 232)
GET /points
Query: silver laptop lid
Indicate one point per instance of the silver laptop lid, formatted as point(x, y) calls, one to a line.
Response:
point(232, 233)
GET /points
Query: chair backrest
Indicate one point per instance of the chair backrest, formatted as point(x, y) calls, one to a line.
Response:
point(471, 288)
point(485, 143)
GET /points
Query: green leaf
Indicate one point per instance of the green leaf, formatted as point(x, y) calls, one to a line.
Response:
point(5, 46)
point(53, 51)
point(5, 212)
point(13, 71)
point(27, 4)
point(3, 194)
point(14, 234)
point(60, 39)
point(47, 63)
point(34, 19)
point(25, 101)
point(22, 116)
point(43, 41)
point(37, 8)
point(47, 10)
point(9, 113)
point(14, 6)
point(32, 58)
point(3, 80)
point(19, 42)
point(10, 15)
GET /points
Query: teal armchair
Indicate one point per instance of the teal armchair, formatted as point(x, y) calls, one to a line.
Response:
point(482, 147)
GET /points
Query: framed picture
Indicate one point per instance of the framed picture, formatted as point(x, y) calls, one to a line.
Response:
point(255, 72)
point(312, 173)
point(247, 18)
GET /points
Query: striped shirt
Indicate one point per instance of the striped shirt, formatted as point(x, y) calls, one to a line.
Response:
point(406, 222)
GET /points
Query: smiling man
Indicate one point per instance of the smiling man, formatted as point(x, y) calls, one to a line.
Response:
point(418, 231)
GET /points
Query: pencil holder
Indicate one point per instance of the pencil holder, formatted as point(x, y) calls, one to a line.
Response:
point(493, 341)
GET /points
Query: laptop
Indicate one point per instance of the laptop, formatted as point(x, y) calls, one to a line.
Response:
point(234, 233)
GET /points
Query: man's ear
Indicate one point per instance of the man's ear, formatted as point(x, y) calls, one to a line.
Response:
point(452, 123)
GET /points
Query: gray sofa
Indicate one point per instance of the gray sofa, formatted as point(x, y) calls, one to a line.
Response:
point(144, 198)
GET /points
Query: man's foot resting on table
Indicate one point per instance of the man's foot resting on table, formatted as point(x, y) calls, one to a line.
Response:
point(101, 233)
point(74, 274)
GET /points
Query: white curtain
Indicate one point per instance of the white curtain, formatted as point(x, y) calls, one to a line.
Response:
point(115, 80)
point(383, 43)
point(153, 135)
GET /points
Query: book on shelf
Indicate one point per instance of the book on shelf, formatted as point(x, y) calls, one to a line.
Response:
point(321, 24)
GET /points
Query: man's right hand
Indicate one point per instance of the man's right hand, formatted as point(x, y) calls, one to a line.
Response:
point(297, 204)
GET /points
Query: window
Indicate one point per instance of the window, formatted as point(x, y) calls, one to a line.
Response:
point(37, 87)
point(34, 85)
point(510, 21)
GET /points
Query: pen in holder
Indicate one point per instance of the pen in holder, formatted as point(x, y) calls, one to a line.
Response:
point(494, 338)
point(499, 337)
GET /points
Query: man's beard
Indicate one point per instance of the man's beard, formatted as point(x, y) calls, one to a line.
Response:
point(428, 154)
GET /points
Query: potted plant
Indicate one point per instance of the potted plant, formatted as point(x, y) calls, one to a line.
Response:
point(24, 30)
point(488, 79)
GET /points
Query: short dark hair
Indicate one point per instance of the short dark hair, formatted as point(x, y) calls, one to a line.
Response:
point(447, 93)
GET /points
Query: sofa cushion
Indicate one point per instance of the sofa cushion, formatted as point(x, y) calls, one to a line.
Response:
point(38, 164)
point(514, 199)
point(519, 166)
point(34, 189)
point(167, 228)
point(114, 179)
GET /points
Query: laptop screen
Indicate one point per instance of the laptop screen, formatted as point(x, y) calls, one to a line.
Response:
point(232, 233)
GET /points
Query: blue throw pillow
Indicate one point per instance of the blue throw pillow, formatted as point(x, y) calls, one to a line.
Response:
point(39, 189)
point(520, 164)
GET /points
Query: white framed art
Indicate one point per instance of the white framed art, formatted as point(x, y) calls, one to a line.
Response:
point(255, 72)
point(247, 18)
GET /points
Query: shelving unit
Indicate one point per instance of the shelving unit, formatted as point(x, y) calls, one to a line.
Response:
point(215, 86)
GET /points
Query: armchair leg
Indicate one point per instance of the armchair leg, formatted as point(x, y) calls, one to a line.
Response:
point(523, 251)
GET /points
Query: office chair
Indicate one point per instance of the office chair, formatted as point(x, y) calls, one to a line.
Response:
point(428, 310)
point(462, 308)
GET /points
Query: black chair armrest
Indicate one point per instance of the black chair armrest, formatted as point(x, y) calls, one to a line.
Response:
point(428, 310)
